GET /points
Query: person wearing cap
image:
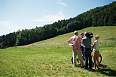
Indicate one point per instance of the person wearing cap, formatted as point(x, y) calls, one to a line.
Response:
point(75, 42)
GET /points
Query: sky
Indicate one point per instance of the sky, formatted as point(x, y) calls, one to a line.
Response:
point(27, 14)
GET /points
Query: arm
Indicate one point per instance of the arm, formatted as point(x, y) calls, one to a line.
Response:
point(70, 42)
point(82, 42)
point(94, 43)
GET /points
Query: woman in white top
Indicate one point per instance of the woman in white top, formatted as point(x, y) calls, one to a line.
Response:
point(97, 58)
point(96, 44)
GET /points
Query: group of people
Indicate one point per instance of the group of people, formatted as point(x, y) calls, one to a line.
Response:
point(82, 46)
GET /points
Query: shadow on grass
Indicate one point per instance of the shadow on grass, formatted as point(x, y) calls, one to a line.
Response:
point(106, 71)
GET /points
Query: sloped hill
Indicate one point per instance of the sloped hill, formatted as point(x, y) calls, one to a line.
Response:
point(107, 34)
point(51, 57)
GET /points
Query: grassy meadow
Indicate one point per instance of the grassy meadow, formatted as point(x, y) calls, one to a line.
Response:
point(51, 57)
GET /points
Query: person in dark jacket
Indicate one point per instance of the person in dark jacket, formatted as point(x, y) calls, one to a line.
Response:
point(86, 41)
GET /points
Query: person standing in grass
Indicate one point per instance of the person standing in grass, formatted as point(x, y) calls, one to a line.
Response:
point(82, 46)
point(86, 41)
point(75, 42)
point(96, 53)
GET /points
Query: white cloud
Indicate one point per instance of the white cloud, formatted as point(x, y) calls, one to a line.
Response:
point(56, 17)
point(48, 19)
point(62, 3)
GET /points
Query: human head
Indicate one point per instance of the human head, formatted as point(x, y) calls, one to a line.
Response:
point(75, 33)
point(82, 34)
point(96, 37)
point(89, 34)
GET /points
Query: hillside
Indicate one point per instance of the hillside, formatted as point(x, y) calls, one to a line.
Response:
point(99, 16)
point(51, 57)
point(106, 34)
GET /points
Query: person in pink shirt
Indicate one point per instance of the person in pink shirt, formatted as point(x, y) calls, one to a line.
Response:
point(75, 42)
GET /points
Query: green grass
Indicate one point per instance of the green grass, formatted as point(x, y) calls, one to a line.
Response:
point(51, 58)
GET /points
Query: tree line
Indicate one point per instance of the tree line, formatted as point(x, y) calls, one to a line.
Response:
point(99, 16)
